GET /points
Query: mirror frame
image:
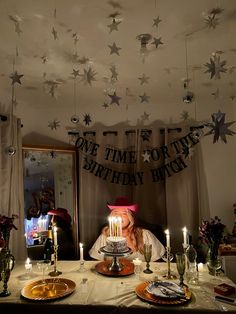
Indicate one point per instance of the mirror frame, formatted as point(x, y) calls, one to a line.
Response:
point(46, 148)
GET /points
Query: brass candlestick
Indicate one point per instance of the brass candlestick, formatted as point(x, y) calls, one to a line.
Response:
point(169, 275)
point(55, 272)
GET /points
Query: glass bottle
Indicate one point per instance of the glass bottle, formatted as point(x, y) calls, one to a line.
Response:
point(191, 269)
point(48, 252)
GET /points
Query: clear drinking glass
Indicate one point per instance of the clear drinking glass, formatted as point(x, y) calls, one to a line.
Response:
point(43, 266)
point(147, 252)
point(180, 265)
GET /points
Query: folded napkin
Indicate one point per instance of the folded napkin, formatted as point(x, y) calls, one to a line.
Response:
point(165, 289)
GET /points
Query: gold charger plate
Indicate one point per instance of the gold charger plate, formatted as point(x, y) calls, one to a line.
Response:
point(51, 289)
point(143, 294)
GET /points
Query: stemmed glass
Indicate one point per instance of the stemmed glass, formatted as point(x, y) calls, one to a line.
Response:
point(147, 251)
point(180, 264)
point(214, 265)
point(43, 266)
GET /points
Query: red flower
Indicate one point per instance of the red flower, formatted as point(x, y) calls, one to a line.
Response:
point(6, 225)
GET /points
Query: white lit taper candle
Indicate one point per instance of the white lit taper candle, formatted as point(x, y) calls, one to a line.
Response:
point(109, 221)
point(167, 232)
point(55, 235)
point(120, 226)
point(28, 265)
point(185, 231)
point(81, 249)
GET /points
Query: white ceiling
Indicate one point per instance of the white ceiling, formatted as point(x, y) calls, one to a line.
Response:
point(26, 36)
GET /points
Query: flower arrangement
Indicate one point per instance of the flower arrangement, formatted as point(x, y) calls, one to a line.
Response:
point(211, 233)
point(6, 225)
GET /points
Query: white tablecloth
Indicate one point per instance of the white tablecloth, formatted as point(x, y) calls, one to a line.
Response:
point(103, 294)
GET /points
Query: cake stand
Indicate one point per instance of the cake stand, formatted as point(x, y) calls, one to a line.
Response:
point(115, 266)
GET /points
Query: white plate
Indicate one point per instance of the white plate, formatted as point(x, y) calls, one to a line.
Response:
point(165, 289)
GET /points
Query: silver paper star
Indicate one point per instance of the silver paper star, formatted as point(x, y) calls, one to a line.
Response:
point(215, 67)
point(114, 25)
point(157, 41)
point(144, 79)
point(211, 21)
point(89, 76)
point(114, 49)
point(114, 99)
point(219, 128)
point(16, 78)
point(144, 98)
point(114, 74)
point(146, 157)
point(145, 135)
point(156, 21)
point(54, 124)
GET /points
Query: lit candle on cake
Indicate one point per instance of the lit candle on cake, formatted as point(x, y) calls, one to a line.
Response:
point(167, 238)
point(120, 226)
point(110, 223)
point(28, 265)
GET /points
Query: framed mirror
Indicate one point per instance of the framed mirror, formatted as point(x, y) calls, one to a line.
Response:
point(50, 187)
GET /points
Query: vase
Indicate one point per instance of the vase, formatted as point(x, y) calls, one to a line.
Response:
point(7, 262)
point(213, 259)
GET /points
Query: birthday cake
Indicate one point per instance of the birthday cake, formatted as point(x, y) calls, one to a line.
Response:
point(116, 245)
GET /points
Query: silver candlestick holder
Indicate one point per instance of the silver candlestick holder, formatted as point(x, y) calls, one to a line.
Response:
point(55, 271)
point(81, 269)
point(169, 275)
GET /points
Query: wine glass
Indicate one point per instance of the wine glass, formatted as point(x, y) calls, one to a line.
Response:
point(180, 264)
point(43, 266)
point(147, 252)
point(214, 266)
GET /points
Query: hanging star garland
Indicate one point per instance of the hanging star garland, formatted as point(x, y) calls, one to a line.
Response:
point(143, 79)
point(157, 41)
point(54, 124)
point(89, 76)
point(211, 21)
point(114, 99)
point(146, 157)
point(87, 119)
point(105, 105)
point(114, 25)
point(156, 22)
point(219, 128)
point(75, 73)
point(16, 78)
point(114, 49)
point(215, 67)
point(144, 98)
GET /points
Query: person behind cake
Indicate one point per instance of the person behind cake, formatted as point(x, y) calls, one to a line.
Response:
point(132, 236)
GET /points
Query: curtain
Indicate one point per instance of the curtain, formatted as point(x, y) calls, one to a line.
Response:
point(11, 183)
point(172, 201)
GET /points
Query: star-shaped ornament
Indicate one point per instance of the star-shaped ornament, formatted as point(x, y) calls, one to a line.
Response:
point(105, 105)
point(54, 124)
point(75, 73)
point(144, 98)
point(87, 119)
point(157, 41)
point(89, 76)
point(144, 79)
point(145, 116)
point(184, 115)
point(145, 134)
point(156, 22)
point(219, 128)
point(215, 67)
point(16, 78)
point(114, 74)
point(114, 49)
point(211, 21)
point(114, 99)
point(114, 25)
point(146, 157)
point(44, 59)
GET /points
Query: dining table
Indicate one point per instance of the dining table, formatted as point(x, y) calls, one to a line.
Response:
point(95, 291)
